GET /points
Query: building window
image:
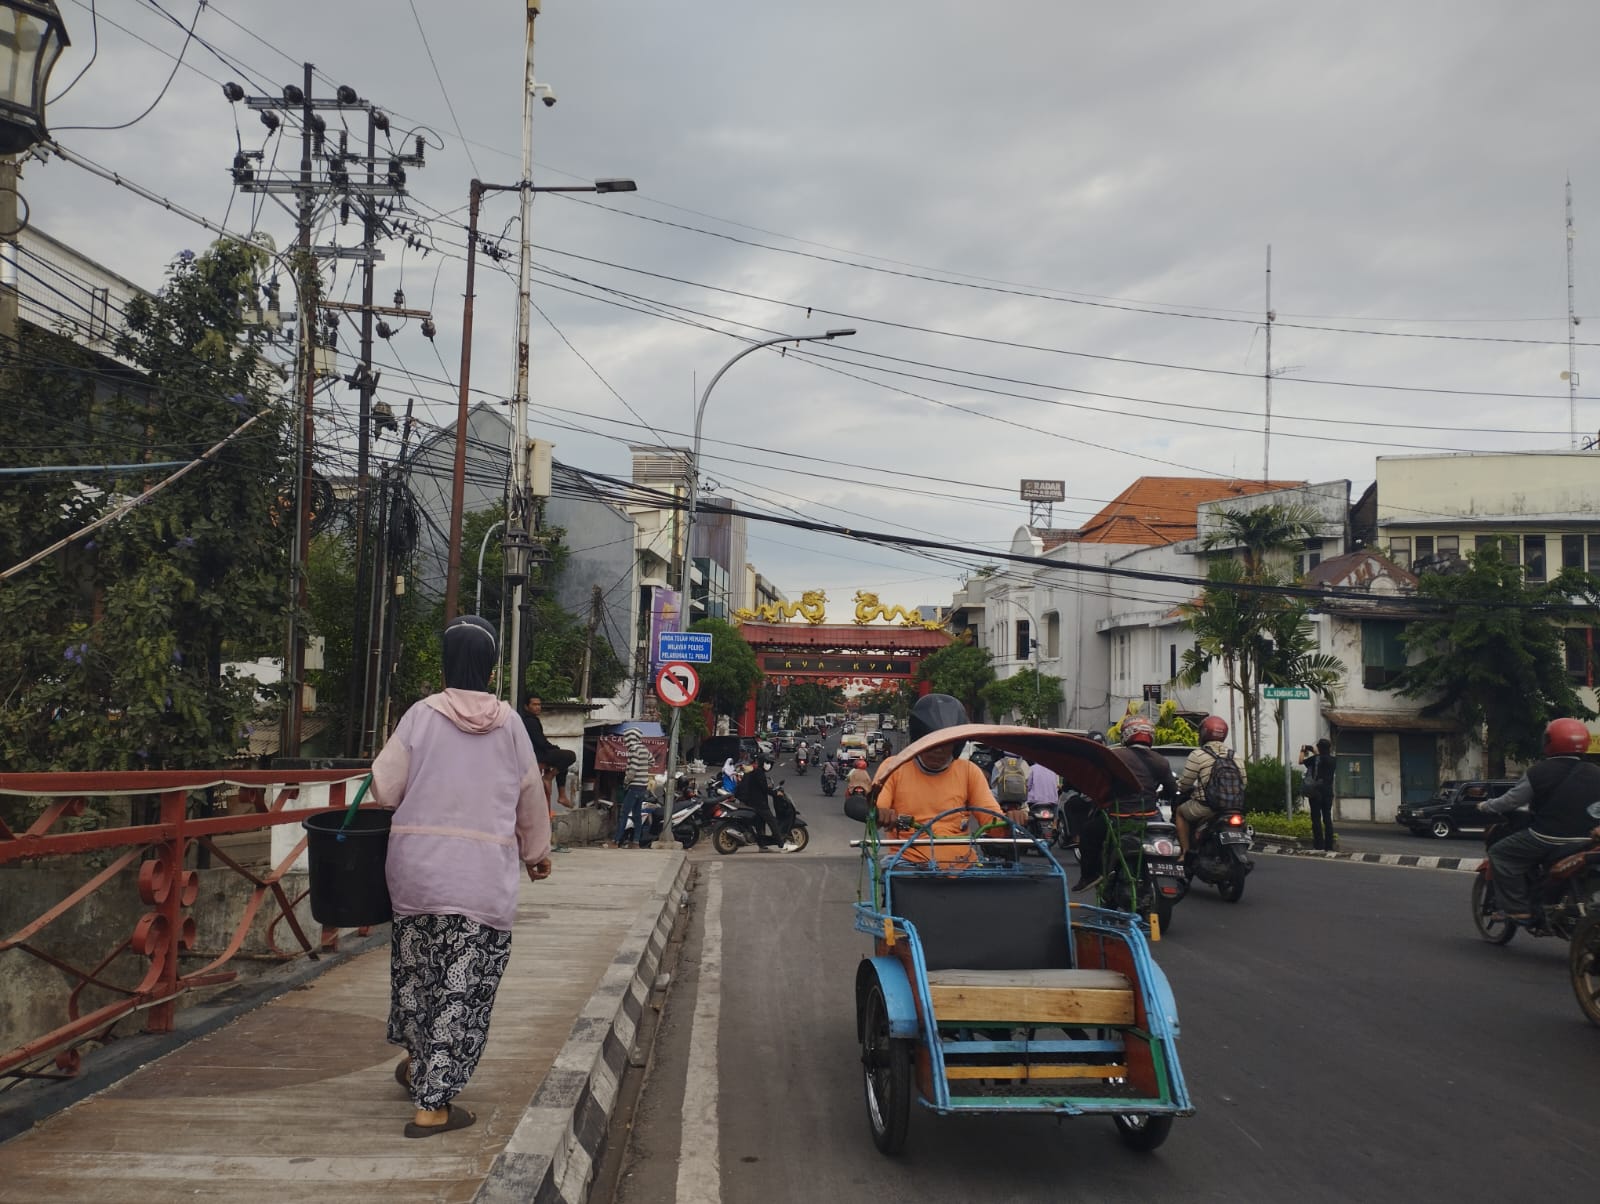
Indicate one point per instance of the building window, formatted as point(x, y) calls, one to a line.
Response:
point(1400, 550)
point(1594, 553)
point(1024, 640)
point(1572, 551)
point(1383, 654)
point(1424, 549)
point(1449, 545)
point(1579, 643)
point(1533, 557)
point(1172, 662)
point(1052, 633)
point(1510, 546)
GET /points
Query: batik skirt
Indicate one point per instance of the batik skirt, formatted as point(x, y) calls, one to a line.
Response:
point(444, 971)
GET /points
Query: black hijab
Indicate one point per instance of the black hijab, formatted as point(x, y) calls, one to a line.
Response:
point(471, 652)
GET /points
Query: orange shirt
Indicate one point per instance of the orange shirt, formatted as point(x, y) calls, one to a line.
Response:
point(913, 791)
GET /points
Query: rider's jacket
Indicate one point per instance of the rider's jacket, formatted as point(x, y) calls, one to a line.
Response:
point(1558, 790)
point(1154, 774)
point(858, 777)
point(1196, 775)
point(753, 788)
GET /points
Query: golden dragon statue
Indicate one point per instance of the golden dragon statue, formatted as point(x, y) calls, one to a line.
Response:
point(869, 608)
point(812, 607)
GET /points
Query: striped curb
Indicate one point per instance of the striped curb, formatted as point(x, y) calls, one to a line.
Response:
point(552, 1154)
point(1463, 865)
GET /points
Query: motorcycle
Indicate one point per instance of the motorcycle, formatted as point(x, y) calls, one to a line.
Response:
point(734, 825)
point(1564, 892)
point(1142, 871)
point(830, 779)
point(1220, 855)
point(1583, 962)
point(800, 760)
point(1044, 822)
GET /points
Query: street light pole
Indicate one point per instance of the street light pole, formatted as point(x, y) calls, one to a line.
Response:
point(684, 603)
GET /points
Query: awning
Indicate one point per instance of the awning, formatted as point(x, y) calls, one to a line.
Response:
point(1391, 721)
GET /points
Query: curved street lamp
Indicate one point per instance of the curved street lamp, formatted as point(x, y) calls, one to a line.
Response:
point(686, 602)
point(32, 37)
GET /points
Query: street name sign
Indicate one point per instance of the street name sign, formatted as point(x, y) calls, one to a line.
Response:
point(677, 684)
point(690, 647)
point(1286, 692)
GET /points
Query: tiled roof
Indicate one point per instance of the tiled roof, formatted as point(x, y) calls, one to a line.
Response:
point(1161, 510)
point(1356, 570)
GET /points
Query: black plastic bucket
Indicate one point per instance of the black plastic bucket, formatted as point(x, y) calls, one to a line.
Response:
point(348, 886)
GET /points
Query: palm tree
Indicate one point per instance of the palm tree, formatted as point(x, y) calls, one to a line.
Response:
point(1255, 636)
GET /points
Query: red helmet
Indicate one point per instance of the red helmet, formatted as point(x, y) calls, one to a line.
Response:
point(1137, 729)
point(1565, 738)
point(861, 764)
point(1213, 727)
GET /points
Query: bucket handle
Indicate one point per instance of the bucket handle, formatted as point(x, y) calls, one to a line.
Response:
point(350, 812)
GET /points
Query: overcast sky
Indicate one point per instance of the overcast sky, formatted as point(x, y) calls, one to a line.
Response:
point(1055, 168)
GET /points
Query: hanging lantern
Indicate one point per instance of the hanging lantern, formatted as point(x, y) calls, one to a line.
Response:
point(32, 38)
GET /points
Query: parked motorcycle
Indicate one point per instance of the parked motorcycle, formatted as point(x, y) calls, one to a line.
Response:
point(1220, 849)
point(734, 825)
point(1565, 892)
point(830, 778)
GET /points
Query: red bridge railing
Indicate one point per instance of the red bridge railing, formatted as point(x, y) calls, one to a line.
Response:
point(167, 886)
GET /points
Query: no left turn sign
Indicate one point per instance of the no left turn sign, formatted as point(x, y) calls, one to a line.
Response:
point(677, 684)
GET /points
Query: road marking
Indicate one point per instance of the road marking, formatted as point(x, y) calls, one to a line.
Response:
point(699, 1168)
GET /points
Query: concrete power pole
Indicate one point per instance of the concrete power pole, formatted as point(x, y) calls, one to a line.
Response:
point(1266, 452)
point(520, 514)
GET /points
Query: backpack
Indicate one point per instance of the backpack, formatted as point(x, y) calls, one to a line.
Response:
point(1013, 784)
point(1225, 786)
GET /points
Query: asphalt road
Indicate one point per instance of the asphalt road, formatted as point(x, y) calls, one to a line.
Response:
point(1346, 1036)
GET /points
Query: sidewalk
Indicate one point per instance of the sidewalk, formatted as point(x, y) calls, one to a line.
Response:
point(296, 1100)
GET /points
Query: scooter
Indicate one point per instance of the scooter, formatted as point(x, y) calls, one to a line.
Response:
point(1221, 854)
point(734, 825)
point(1564, 892)
point(830, 778)
point(1044, 822)
point(1150, 853)
point(800, 760)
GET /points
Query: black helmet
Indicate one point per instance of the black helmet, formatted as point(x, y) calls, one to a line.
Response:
point(933, 712)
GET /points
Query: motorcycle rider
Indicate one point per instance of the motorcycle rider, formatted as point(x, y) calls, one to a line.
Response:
point(755, 792)
point(859, 779)
point(932, 783)
point(1557, 791)
point(1196, 776)
point(1155, 779)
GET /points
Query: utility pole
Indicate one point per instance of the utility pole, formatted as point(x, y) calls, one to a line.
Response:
point(1266, 377)
point(9, 276)
point(519, 510)
point(295, 651)
point(596, 607)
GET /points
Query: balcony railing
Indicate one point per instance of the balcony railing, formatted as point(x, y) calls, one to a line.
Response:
point(167, 886)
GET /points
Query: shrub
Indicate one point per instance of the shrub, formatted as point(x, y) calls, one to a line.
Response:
point(1276, 823)
point(1263, 788)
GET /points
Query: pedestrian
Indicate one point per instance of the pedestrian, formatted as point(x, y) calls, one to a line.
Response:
point(1319, 794)
point(635, 785)
point(555, 759)
point(470, 811)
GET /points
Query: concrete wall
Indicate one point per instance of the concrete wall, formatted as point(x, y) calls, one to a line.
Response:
point(1509, 485)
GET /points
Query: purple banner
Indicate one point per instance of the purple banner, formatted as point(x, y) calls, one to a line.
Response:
point(663, 617)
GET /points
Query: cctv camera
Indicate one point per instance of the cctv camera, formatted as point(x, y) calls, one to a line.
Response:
point(545, 93)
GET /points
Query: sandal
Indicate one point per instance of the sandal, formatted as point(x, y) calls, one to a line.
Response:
point(455, 1118)
point(402, 1072)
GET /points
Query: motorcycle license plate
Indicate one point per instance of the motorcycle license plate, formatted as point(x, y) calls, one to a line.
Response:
point(1233, 838)
point(1166, 869)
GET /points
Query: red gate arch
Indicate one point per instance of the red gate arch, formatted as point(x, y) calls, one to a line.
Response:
point(836, 653)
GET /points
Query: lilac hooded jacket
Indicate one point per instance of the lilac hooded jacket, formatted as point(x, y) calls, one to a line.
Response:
point(469, 808)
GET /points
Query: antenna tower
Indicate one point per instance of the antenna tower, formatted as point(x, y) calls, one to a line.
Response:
point(1572, 331)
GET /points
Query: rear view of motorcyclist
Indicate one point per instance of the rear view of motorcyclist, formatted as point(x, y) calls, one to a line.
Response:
point(1196, 778)
point(1557, 791)
point(859, 779)
point(1155, 779)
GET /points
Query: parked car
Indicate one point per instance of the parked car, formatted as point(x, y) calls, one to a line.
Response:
point(887, 724)
point(1454, 808)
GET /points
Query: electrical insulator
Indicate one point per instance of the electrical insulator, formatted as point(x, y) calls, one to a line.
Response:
point(346, 94)
point(270, 120)
point(233, 92)
point(399, 298)
point(385, 331)
point(429, 329)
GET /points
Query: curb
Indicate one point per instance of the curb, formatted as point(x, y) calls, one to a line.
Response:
point(1461, 865)
point(552, 1153)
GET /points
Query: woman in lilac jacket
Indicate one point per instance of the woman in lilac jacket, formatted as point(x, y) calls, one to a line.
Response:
point(469, 813)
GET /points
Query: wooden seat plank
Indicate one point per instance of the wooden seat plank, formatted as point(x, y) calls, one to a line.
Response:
point(1065, 998)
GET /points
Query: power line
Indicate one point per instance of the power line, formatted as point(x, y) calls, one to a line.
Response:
point(443, 91)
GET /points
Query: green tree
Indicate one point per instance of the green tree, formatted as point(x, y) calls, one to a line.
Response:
point(1492, 656)
point(114, 647)
point(809, 698)
point(960, 670)
point(1027, 692)
point(1255, 636)
point(895, 699)
point(1171, 727)
point(726, 683)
